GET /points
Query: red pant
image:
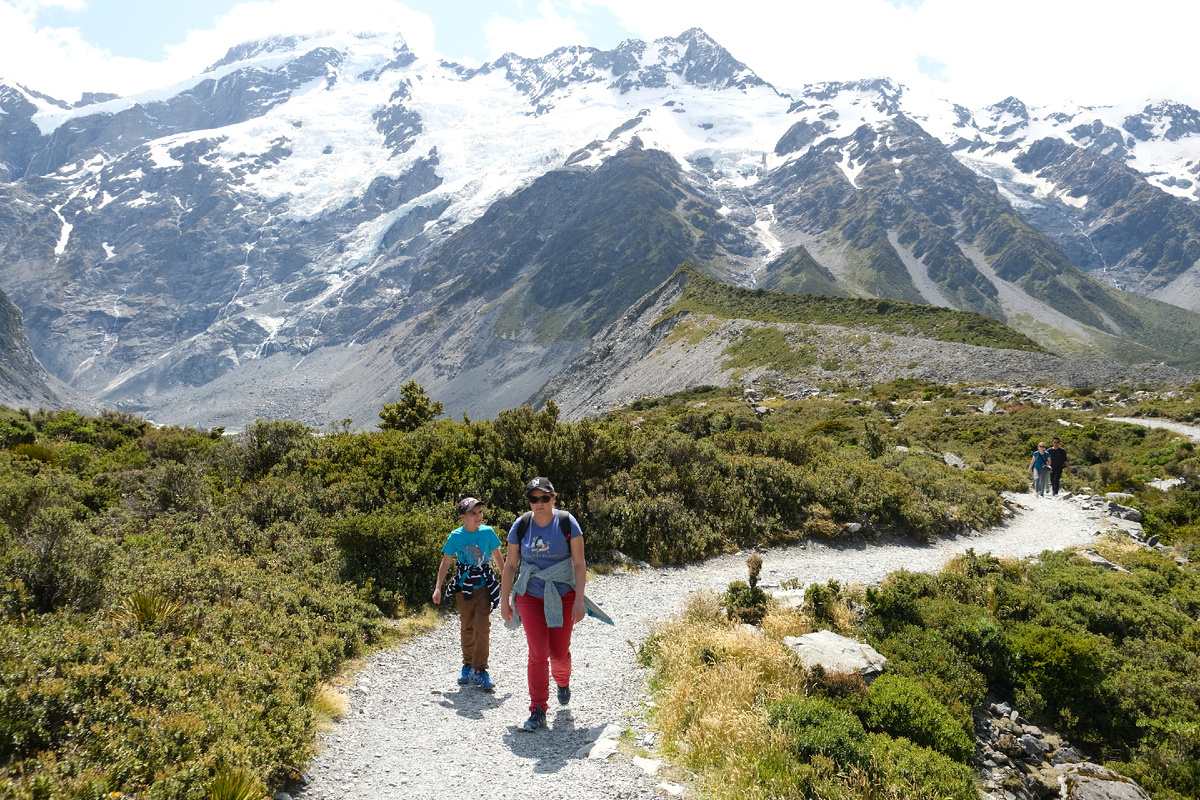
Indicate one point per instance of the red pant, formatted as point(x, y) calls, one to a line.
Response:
point(546, 644)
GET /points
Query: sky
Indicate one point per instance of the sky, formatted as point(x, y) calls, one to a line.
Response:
point(1046, 52)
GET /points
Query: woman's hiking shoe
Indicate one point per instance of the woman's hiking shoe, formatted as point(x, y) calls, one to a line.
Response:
point(484, 681)
point(536, 720)
point(564, 694)
point(467, 672)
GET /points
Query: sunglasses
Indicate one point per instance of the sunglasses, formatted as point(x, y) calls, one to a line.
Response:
point(545, 498)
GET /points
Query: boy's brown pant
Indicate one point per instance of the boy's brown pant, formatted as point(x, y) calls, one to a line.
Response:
point(475, 628)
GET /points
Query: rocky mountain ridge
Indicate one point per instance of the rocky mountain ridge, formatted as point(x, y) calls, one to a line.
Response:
point(23, 381)
point(661, 347)
point(312, 221)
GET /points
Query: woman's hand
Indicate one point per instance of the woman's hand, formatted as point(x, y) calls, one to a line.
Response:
point(505, 610)
point(578, 609)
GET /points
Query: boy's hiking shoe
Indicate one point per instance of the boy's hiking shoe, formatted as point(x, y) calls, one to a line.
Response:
point(484, 681)
point(467, 672)
point(564, 694)
point(536, 720)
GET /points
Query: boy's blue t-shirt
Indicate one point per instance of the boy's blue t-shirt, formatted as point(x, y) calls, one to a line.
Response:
point(473, 548)
point(545, 547)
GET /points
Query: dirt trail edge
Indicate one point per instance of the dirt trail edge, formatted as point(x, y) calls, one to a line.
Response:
point(412, 732)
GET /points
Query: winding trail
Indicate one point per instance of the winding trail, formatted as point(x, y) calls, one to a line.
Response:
point(412, 732)
point(1190, 431)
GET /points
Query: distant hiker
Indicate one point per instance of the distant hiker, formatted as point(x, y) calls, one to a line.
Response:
point(1039, 467)
point(1058, 462)
point(548, 544)
point(474, 586)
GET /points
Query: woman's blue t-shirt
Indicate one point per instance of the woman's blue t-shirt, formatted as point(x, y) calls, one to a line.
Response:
point(544, 547)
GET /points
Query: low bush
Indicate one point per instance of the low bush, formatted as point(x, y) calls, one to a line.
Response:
point(815, 726)
point(901, 707)
point(921, 772)
point(391, 555)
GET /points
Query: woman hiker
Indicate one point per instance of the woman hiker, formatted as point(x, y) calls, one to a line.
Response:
point(1039, 467)
point(548, 544)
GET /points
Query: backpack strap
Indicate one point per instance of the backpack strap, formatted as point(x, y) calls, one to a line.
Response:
point(564, 525)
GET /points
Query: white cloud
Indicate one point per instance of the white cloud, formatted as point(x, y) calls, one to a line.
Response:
point(534, 37)
point(59, 62)
point(975, 53)
point(50, 60)
point(1043, 51)
point(262, 18)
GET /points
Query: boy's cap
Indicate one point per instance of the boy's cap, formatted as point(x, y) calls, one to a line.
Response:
point(540, 483)
point(467, 503)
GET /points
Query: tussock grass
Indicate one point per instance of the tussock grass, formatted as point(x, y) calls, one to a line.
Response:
point(329, 704)
point(716, 681)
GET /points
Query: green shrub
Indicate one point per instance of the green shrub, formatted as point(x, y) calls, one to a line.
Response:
point(1057, 671)
point(816, 726)
point(15, 428)
point(820, 601)
point(392, 555)
point(901, 707)
point(744, 603)
point(57, 561)
point(923, 772)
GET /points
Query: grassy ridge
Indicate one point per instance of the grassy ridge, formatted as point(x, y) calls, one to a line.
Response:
point(708, 296)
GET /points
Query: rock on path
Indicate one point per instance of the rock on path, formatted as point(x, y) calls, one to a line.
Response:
point(412, 732)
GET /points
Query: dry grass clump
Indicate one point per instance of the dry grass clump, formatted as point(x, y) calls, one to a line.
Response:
point(716, 681)
point(329, 704)
point(780, 623)
point(1117, 548)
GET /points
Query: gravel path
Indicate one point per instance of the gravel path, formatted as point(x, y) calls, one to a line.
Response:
point(1190, 431)
point(412, 732)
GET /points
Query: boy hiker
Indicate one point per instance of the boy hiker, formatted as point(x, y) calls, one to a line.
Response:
point(475, 586)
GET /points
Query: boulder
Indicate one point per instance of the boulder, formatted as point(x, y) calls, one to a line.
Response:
point(1124, 512)
point(836, 654)
point(1088, 781)
point(1100, 561)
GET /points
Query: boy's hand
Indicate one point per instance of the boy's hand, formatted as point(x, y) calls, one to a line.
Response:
point(437, 595)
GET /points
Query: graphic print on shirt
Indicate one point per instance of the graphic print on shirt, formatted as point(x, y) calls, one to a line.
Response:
point(474, 553)
point(540, 546)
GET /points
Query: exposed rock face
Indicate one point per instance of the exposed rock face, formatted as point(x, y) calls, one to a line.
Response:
point(23, 381)
point(651, 352)
point(1019, 761)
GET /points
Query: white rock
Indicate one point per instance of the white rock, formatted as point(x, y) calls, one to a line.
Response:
point(673, 789)
point(609, 731)
point(648, 765)
point(836, 653)
point(600, 749)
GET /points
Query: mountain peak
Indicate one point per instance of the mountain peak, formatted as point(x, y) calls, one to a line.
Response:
point(1170, 120)
point(884, 94)
point(284, 44)
point(254, 48)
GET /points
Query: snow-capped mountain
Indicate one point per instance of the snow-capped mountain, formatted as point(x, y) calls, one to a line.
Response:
point(311, 221)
